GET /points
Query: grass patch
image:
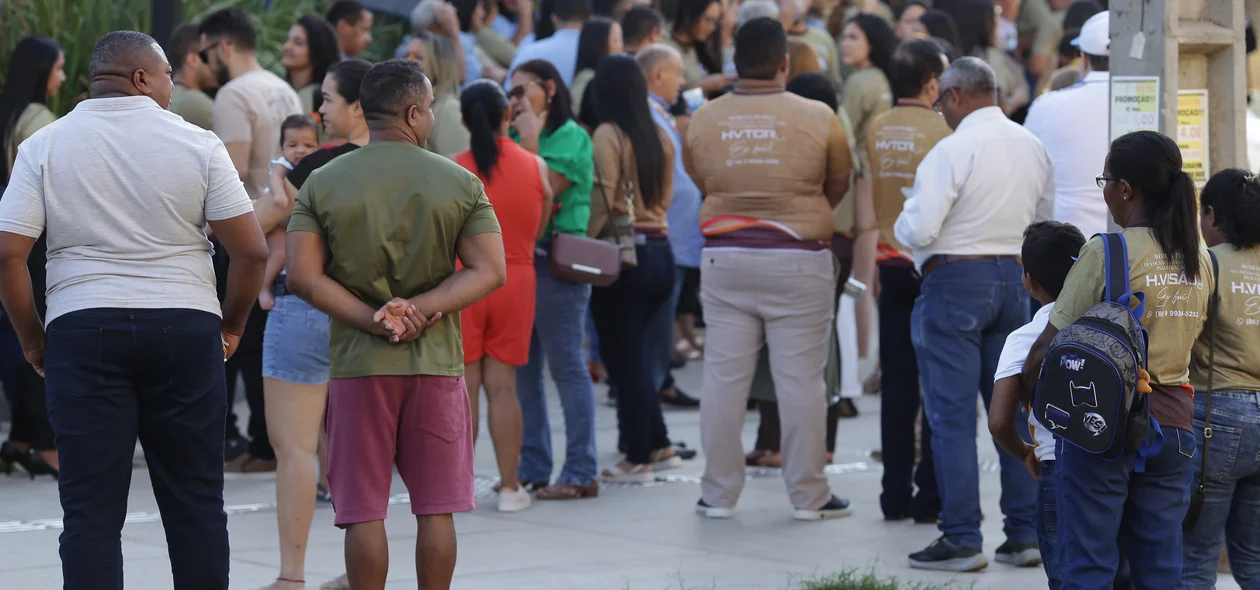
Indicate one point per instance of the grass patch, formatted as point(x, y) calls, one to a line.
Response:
point(855, 579)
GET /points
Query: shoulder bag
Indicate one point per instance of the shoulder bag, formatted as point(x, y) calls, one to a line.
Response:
point(1196, 496)
point(596, 261)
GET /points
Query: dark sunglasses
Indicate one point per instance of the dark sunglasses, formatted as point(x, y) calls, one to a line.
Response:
point(204, 54)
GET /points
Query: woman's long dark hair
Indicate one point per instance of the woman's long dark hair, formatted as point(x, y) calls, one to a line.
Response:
point(1235, 197)
point(543, 27)
point(482, 105)
point(686, 14)
point(621, 98)
point(975, 20)
point(349, 76)
point(321, 45)
point(561, 109)
point(25, 83)
point(1151, 163)
point(879, 36)
point(593, 42)
point(941, 25)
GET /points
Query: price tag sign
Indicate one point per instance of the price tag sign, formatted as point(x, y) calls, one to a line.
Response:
point(1192, 134)
point(1134, 104)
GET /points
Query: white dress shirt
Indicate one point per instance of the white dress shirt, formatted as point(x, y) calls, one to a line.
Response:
point(977, 189)
point(1072, 124)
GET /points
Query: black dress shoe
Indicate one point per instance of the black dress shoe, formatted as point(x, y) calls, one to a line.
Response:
point(679, 398)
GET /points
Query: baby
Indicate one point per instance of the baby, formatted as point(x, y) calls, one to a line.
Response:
point(299, 136)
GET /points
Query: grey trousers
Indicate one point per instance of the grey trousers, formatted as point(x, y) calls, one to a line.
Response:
point(786, 301)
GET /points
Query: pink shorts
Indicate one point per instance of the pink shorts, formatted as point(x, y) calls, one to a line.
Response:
point(420, 422)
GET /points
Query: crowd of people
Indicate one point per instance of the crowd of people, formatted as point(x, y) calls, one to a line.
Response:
point(612, 190)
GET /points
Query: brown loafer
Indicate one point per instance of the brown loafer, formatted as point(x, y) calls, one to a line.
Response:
point(564, 491)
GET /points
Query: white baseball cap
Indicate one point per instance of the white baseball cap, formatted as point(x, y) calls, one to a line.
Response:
point(1095, 37)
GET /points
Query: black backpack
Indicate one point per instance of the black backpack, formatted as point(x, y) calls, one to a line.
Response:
point(1087, 393)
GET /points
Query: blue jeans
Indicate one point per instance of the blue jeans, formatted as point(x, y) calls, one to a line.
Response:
point(559, 329)
point(1048, 524)
point(958, 327)
point(115, 375)
point(1231, 499)
point(1105, 507)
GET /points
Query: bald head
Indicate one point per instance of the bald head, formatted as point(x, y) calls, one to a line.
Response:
point(128, 63)
point(662, 66)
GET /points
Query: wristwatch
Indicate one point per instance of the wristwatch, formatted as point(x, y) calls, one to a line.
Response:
point(854, 287)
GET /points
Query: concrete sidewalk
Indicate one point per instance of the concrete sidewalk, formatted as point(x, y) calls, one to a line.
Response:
point(635, 537)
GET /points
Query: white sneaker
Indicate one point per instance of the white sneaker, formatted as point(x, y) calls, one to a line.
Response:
point(514, 500)
point(713, 512)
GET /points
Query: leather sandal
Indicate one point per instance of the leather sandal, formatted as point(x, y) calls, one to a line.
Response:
point(565, 491)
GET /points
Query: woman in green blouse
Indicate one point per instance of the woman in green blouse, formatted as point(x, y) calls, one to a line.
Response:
point(542, 121)
point(35, 75)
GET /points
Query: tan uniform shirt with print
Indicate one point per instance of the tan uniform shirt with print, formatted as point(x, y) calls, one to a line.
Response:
point(1237, 355)
point(766, 155)
point(896, 143)
point(614, 158)
point(866, 95)
point(1174, 316)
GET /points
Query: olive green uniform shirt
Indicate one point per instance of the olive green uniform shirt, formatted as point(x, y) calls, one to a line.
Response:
point(391, 214)
point(1237, 356)
point(1174, 316)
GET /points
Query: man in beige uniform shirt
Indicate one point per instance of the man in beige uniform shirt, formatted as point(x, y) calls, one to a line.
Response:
point(896, 143)
point(192, 77)
point(772, 164)
point(252, 103)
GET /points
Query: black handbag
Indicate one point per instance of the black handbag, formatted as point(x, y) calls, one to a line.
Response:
point(1196, 495)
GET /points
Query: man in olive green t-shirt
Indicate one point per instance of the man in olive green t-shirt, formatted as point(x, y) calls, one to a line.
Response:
point(192, 77)
point(372, 242)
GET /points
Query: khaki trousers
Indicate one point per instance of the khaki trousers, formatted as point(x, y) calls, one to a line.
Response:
point(785, 300)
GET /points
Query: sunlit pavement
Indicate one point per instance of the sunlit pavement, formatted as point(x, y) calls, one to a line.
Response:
point(644, 537)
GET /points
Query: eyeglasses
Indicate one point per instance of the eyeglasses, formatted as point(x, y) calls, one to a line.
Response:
point(1102, 180)
point(204, 54)
point(936, 105)
point(519, 91)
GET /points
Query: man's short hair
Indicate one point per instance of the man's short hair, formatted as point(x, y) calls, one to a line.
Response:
point(1097, 63)
point(760, 46)
point(970, 76)
point(654, 55)
point(572, 11)
point(389, 88)
point(345, 10)
point(184, 40)
point(232, 24)
point(126, 49)
point(913, 65)
point(1050, 250)
point(638, 23)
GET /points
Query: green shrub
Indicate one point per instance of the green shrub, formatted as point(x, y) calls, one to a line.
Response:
point(78, 24)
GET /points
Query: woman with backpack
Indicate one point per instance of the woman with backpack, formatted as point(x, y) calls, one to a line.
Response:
point(1225, 371)
point(1139, 499)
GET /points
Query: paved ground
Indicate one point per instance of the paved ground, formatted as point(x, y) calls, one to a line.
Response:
point(640, 538)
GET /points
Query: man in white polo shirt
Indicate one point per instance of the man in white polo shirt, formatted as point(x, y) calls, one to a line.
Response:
point(1072, 124)
point(135, 345)
point(974, 193)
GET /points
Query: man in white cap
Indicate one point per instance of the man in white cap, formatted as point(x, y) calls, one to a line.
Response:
point(1072, 124)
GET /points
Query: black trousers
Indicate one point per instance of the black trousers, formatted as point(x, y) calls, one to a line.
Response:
point(115, 375)
point(622, 315)
point(246, 363)
point(24, 390)
point(900, 401)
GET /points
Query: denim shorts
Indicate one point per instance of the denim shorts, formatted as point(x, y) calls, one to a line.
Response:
point(295, 343)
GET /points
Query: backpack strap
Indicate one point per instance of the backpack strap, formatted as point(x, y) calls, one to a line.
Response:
point(1118, 288)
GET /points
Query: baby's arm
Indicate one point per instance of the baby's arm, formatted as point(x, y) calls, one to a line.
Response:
point(275, 182)
point(275, 262)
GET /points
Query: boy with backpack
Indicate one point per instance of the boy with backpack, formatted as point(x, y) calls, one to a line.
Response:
point(1049, 250)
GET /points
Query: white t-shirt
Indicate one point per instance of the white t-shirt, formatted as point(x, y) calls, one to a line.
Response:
point(124, 189)
point(1018, 343)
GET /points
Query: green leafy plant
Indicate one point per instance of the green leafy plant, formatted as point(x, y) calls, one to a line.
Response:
point(855, 579)
point(77, 24)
